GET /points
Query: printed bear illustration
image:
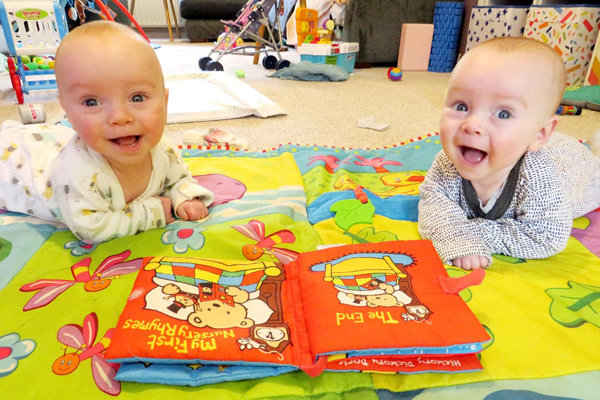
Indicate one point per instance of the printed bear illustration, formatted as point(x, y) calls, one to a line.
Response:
point(208, 293)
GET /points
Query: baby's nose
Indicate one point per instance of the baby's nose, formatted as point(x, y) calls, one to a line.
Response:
point(119, 115)
point(472, 124)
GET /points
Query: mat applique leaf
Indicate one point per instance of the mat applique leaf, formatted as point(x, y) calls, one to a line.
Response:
point(576, 305)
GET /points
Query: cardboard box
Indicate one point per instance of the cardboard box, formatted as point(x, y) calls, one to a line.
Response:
point(571, 31)
point(415, 47)
point(490, 22)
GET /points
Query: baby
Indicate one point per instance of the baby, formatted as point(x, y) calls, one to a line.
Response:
point(504, 183)
point(114, 174)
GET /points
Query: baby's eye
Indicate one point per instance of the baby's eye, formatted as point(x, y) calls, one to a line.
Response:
point(460, 107)
point(137, 98)
point(91, 102)
point(503, 114)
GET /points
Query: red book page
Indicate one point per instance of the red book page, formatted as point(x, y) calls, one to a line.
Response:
point(381, 296)
point(184, 308)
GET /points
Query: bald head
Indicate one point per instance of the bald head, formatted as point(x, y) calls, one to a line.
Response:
point(106, 42)
point(546, 60)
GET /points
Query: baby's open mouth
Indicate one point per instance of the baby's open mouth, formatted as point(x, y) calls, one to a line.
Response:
point(127, 141)
point(472, 155)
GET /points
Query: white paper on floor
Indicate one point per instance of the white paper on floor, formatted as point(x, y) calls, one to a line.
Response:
point(210, 96)
point(371, 123)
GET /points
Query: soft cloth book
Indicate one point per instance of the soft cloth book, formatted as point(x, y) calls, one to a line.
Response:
point(374, 307)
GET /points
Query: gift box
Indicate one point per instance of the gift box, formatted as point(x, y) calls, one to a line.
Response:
point(490, 22)
point(571, 31)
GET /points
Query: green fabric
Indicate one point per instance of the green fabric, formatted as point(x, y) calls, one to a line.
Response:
point(583, 96)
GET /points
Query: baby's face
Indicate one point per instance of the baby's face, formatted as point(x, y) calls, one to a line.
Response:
point(114, 97)
point(495, 107)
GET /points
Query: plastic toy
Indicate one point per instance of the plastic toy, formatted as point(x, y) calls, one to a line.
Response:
point(568, 110)
point(395, 74)
point(240, 73)
point(306, 22)
point(329, 24)
point(338, 31)
point(31, 28)
point(37, 27)
point(324, 36)
point(225, 39)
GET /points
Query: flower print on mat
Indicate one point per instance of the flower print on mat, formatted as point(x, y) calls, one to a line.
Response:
point(183, 235)
point(80, 248)
point(12, 350)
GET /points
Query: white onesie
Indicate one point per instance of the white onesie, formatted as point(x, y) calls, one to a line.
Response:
point(48, 172)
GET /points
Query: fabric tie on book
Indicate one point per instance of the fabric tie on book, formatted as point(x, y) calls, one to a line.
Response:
point(455, 285)
point(316, 369)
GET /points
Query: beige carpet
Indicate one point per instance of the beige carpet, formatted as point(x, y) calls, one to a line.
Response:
point(318, 112)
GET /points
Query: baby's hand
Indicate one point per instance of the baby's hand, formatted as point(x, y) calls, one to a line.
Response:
point(471, 262)
point(192, 210)
point(167, 208)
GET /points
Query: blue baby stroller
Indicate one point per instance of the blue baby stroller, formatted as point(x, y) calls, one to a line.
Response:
point(251, 22)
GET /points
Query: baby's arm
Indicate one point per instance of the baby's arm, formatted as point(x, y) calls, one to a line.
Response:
point(541, 227)
point(471, 262)
point(190, 200)
point(444, 222)
point(93, 218)
point(192, 210)
point(167, 208)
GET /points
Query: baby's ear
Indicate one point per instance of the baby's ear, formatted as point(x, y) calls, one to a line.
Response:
point(166, 96)
point(544, 134)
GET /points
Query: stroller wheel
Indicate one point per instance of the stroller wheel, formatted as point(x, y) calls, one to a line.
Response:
point(281, 64)
point(269, 62)
point(203, 62)
point(214, 66)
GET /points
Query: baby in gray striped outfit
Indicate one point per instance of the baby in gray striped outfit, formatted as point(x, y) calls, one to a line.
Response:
point(505, 182)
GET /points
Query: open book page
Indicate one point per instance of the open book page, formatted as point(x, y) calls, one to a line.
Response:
point(209, 311)
point(382, 299)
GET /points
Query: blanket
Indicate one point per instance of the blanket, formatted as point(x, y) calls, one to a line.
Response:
point(307, 71)
point(60, 299)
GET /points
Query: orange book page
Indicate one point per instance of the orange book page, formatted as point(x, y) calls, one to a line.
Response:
point(381, 296)
point(184, 308)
